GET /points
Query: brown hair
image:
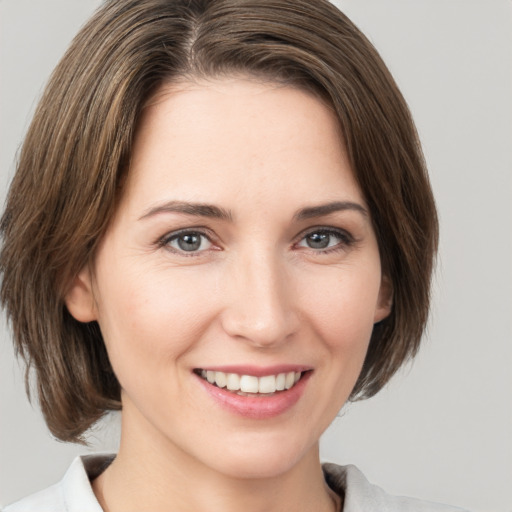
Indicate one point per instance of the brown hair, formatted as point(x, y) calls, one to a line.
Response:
point(78, 146)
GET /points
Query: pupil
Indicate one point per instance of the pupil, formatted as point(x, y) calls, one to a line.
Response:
point(189, 242)
point(318, 240)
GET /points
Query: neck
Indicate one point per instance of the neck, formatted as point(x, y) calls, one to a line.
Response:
point(159, 476)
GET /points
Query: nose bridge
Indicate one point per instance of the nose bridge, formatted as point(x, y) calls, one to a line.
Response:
point(260, 307)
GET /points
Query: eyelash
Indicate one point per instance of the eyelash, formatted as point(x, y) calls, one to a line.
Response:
point(175, 235)
point(346, 240)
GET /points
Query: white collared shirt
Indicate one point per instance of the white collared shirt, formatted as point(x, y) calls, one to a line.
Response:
point(74, 492)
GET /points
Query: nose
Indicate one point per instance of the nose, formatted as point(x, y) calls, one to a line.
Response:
point(259, 305)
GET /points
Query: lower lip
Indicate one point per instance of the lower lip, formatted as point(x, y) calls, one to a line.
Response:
point(258, 407)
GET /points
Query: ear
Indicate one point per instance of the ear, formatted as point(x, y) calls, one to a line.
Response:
point(79, 298)
point(385, 300)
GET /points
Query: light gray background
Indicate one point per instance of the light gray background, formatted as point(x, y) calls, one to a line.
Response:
point(442, 429)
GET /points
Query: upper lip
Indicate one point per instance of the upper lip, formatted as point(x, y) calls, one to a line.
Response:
point(256, 371)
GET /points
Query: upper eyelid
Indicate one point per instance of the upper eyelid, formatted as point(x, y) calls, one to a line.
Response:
point(325, 229)
point(201, 230)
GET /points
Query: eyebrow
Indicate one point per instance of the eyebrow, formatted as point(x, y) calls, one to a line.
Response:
point(196, 209)
point(328, 208)
point(212, 211)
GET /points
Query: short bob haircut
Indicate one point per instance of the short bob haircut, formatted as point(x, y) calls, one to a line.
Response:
point(71, 166)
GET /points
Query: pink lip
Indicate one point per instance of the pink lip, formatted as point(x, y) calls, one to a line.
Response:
point(258, 407)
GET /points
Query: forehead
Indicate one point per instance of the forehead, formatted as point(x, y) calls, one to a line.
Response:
point(212, 137)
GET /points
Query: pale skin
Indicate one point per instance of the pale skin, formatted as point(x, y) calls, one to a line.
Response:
point(281, 267)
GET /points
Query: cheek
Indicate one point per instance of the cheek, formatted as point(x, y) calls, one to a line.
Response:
point(340, 308)
point(150, 319)
point(341, 303)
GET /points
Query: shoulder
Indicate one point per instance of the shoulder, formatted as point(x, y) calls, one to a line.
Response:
point(72, 494)
point(360, 495)
point(50, 499)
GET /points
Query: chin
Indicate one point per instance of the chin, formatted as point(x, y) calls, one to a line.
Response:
point(262, 459)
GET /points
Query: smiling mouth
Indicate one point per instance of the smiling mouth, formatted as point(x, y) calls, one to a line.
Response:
point(249, 385)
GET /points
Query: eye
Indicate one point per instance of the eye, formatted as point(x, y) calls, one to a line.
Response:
point(187, 241)
point(322, 239)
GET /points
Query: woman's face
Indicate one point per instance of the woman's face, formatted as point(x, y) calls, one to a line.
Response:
point(242, 251)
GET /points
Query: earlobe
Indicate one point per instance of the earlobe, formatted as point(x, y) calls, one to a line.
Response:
point(79, 298)
point(385, 300)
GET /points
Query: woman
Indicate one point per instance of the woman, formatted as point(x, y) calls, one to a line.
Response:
point(221, 224)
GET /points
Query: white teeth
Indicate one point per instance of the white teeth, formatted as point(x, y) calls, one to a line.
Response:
point(267, 384)
point(233, 382)
point(220, 379)
point(249, 384)
point(280, 381)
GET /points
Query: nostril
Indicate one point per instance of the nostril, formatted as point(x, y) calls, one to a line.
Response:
point(273, 329)
point(260, 306)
